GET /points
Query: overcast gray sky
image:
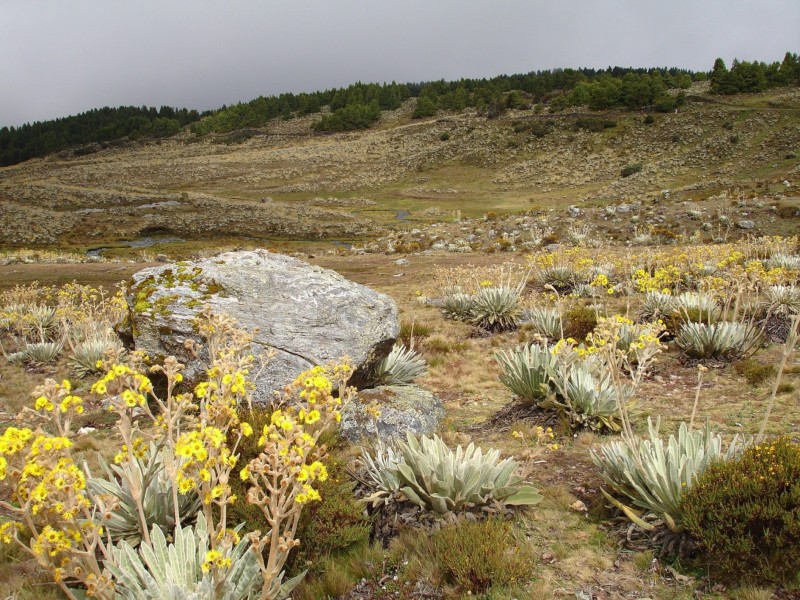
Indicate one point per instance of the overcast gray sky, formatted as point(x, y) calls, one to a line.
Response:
point(61, 57)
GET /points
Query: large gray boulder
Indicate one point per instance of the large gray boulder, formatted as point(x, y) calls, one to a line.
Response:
point(306, 314)
point(402, 408)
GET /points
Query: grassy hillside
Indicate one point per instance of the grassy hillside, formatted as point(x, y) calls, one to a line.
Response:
point(280, 182)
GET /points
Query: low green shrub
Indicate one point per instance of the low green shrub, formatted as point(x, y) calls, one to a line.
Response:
point(412, 331)
point(579, 321)
point(753, 371)
point(746, 515)
point(335, 525)
point(477, 556)
point(629, 170)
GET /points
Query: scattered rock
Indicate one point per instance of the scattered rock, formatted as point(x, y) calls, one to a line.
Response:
point(745, 224)
point(403, 408)
point(306, 314)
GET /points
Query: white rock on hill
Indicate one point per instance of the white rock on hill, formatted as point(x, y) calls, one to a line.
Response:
point(307, 314)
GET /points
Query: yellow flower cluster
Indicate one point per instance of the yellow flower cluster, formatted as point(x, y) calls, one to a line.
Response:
point(58, 489)
point(51, 541)
point(202, 451)
point(663, 279)
point(214, 559)
point(8, 531)
point(314, 385)
point(308, 494)
point(14, 440)
point(134, 384)
point(139, 449)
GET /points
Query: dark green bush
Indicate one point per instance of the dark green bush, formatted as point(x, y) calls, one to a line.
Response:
point(649, 120)
point(333, 525)
point(629, 170)
point(477, 556)
point(753, 371)
point(745, 514)
point(593, 124)
point(445, 136)
point(579, 321)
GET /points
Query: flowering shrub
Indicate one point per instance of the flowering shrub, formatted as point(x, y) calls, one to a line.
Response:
point(746, 514)
point(72, 528)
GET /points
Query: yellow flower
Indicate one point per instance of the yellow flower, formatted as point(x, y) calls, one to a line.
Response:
point(43, 403)
point(247, 429)
point(214, 560)
point(185, 485)
point(244, 474)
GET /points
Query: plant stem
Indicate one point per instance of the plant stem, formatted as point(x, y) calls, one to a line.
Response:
point(788, 348)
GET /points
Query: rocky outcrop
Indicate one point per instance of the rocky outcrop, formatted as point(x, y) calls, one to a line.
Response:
point(306, 314)
point(402, 408)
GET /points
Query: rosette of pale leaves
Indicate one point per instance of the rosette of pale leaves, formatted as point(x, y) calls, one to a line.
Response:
point(458, 306)
point(157, 497)
point(726, 340)
point(402, 366)
point(174, 571)
point(528, 371)
point(592, 401)
point(657, 305)
point(780, 300)
point(654, 474)
point(789, 262)
point(544, 321)
point(86, 354)
point(696, 307)
point(38, 353)
point(497, 308)
point(380, 471)
point(443, 481)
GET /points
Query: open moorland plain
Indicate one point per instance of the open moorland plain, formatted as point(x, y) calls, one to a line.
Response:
point(564, 282)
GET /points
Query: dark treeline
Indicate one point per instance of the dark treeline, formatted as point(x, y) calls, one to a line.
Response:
point(98, 125)
point(359, 105)
point(750, 77)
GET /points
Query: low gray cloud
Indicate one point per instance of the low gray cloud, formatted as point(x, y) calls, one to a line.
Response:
point(66, 56)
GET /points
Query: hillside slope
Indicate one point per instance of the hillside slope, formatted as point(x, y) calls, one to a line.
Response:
point(281, 182)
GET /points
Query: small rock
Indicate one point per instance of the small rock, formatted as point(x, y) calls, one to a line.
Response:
point(745, 224)
point(402, 408)
point(578, 506)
